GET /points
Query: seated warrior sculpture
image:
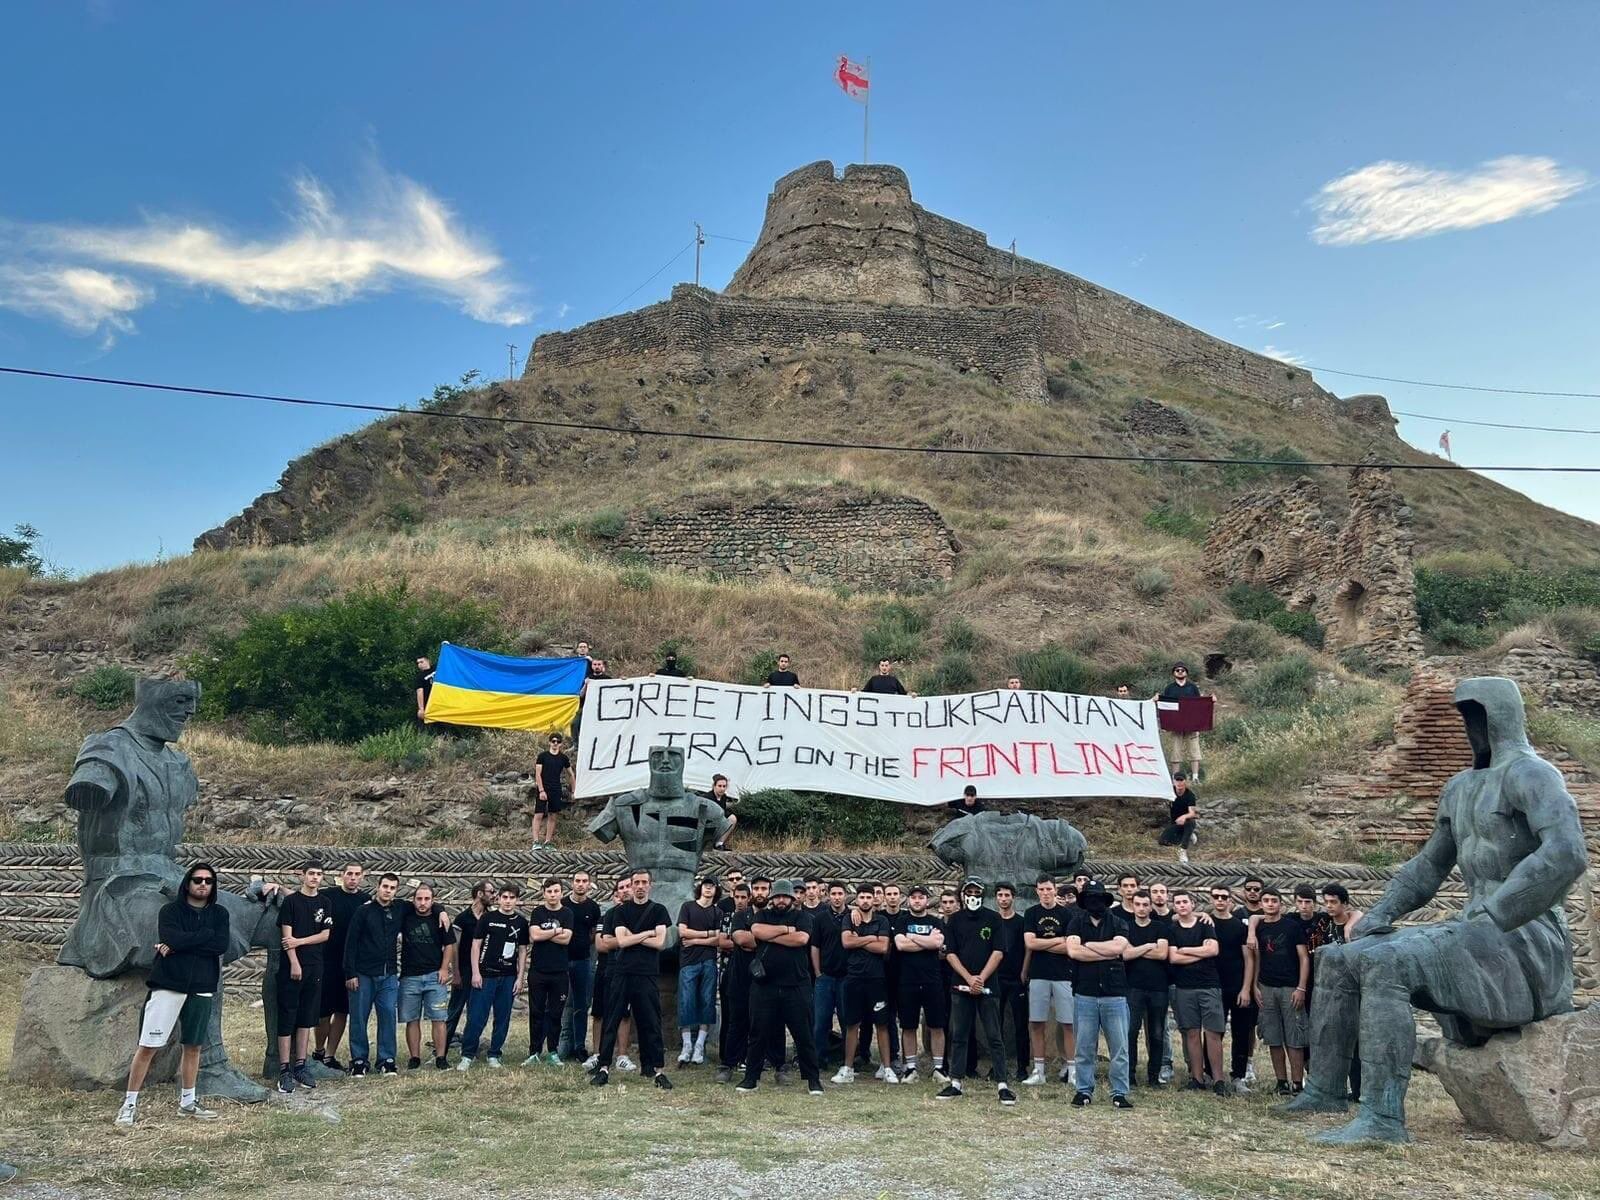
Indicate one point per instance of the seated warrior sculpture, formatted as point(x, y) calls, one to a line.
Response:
point(130, 789)
point(1013, 846)
point(664, 829)
point(1513, 830)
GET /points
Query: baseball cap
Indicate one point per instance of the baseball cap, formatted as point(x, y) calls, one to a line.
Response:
point(972, 881)
point(783, 887)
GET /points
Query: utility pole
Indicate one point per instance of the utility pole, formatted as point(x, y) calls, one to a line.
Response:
point(511, 355)
point(699, 240)
point(866, 113)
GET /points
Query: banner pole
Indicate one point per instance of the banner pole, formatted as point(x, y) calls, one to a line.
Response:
point(866, 115)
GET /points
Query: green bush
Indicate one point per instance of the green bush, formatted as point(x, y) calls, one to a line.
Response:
point(450, 395)
point(105, 687)
point(636, 579)
point(19, 551)
point(1474, 590)
point(607, 524)
point(1152, 583)
point(404, 747)
point(1052, 668)
point(960, 637)
point(340, 670)
point(1456, 635)
point(953, 675)
point(1251, 603)
point(1177, 521)
point(680, 647)
point(895, 634)
point(1249, 639)
point(1282, 683)
point(161, 630)
point(1241, 474)
point(1297, 623)
point(777, 812)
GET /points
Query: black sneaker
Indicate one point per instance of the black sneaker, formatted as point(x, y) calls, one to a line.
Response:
point(1222, 1088)
point(1283, 1088)
point(814, 1086)
point(1298, 1088)
point(387, 1067)
point(747, 1085)
point(1081, 1099)
point(1121, 1102)
point(413, 1063)
point(600, 1078)
point(1194, 1085)
point(332, 1063)
point(303, 1076)
point(663, 1082)
point(286, 1081)
point(441, 1063)
point(1007, 1096)
point(724, 1074)
point(357, 1067)
point(950, 1092)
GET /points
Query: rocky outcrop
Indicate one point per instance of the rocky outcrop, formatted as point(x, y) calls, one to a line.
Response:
point(78, 1032)
point(1553, 676)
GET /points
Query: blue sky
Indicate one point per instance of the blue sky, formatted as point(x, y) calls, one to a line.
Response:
point(359, 201)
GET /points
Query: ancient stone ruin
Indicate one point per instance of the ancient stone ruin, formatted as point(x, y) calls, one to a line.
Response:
point(1356, 579)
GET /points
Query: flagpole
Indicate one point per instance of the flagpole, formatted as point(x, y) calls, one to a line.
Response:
point(866, 115)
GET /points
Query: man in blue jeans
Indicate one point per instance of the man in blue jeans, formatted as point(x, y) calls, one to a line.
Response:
point(699, 921)
point(1096, 942)
point(372, 974)
point(829, 964)
point(499, 962)
point(580, 968)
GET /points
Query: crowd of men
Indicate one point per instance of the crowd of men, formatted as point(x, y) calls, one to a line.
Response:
point(784, 974)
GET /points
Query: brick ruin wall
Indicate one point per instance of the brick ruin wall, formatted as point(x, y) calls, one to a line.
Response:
point(1357, 579)
point(700, 327)
point(875, 542)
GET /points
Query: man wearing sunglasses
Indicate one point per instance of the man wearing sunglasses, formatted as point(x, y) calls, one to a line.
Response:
point(192, 934)
point(1182, 747)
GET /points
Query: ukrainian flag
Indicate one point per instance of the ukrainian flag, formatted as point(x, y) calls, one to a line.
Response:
point(474, 687)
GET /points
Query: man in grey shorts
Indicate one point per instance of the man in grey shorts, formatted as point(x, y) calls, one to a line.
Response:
point(1044, 934)
point(1283, 972)
point(1197, 993)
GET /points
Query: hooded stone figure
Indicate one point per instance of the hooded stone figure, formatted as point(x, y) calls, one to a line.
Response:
point(1511, 827)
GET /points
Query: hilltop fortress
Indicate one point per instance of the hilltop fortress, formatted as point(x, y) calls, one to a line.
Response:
point(853, 261)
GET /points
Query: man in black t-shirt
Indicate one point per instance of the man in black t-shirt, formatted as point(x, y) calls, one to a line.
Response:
point(1282, 977)
point(307, 925)
point(580, 970)
point(669, 667)
point(1182, 747)
point(1146, 967)
point(1197, 993)
point(1097, 941)
point(342, 900)
point(885, 683)
point(604, 946)
point(427, 962)
point(865, 937)
point(499, 960)
point(739, 899)
point(918, 939)
point(1236, 971)
point(1010, 991)
point(699, 926)
point(549, 935)
point(1044, 934)
point(423, 686)
point(1185, 816)
point(780, 994)
point(552, 771)
point(465, 927)
point(783, 676)
point(969, 805)
point(639, 927)
point(972, 938)
point(829, 966)
point(719, 793)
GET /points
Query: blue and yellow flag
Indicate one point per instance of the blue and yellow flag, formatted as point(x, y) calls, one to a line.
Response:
point(474, 687)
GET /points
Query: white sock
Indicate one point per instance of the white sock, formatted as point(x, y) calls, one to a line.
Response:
point(131, 1099)
point(700, 1042)
point(688, 1040)
point(938, 1062)
point(186, 1097)
point(1038, 1065)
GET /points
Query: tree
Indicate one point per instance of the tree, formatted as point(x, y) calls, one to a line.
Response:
point(448, 395)
point(19, 551)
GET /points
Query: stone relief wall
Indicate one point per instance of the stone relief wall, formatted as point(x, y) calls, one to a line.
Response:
point(1356, 580)
point(823, 538)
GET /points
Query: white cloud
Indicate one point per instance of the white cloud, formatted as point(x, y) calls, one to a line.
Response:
point(1275, 324)
point(563, 310)
point(1284, 356)
point(1391, 201)
point(82, 299)
point(397, 235)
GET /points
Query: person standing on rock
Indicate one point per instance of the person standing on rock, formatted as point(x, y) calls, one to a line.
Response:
point(307, 925)
point(184, 983)
point(343, 901)
point(427, 962)
point(1182, 747)
point(372, 976)
point(552, 774)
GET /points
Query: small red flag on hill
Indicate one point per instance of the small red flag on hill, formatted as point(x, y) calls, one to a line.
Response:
point(1444, 444)
point(852, 79)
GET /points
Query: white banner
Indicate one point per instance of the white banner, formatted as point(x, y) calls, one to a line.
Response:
point(923, 750)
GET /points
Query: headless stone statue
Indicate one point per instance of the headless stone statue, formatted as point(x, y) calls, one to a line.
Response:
point(1013, 846)
point(665, 830)
point(1511, 827)
point(131, 789)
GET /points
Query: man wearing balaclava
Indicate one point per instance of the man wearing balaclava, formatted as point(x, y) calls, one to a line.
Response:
point(972, 939)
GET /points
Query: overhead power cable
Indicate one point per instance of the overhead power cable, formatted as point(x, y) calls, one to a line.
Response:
point(755, 439)
point(1489, 424)
point(686, 246)
point(1456, 387)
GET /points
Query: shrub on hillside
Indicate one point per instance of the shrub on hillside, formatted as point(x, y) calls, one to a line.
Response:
point(405, 747)
point(1282, 683)
point(777, 812)
point(1152, 583)
point(340, 670)
point(954, 674)
point(680, 647)
point(763, 664)
point(105, 687)
point(960, 637)
point(607, 524)
point(895, 634)
point(1249, 639)
point(1482, 590)
point(1177, 521)
point(1297, 623)
point(1251, 603)
point(1240, 474)
point(1052, 668)
point(1457, 635)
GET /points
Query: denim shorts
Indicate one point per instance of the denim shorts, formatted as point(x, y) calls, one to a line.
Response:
point(424, 998)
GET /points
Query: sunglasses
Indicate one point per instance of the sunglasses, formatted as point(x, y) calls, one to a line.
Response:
point(1252, 887)
point(205, 879)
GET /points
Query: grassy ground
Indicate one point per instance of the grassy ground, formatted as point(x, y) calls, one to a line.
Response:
point(547, 1133)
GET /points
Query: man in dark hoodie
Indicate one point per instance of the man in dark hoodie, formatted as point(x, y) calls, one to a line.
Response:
point(192, 935)
point(372, 975)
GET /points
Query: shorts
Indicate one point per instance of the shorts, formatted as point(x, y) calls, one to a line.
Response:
point(423, 998)
point(925, 1001)
point(1183, 747)
point(335, 996)
point(299, 1000)
point(1281, 1023)
point(1198, 1008)
point(547, 807)
point(163, 1010)
point(602, 982)
point(1050, 1000)
point(866, 1001)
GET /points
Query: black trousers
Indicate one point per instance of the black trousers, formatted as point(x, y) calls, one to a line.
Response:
point(458, 1007)
point(1013, 997)
point(1242, 1025)
point(638, 996)
point(984, 1011)
point(774, 1009)
point(1147, 1009)
point(547, 999)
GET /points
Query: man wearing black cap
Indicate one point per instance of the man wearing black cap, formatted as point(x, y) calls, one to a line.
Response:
point(972, 938)
point(1182, 747)
point(1096, 941)
point(780, 993)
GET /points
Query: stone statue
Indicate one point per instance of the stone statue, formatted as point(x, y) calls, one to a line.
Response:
point(1017, 847)
point(131, 789)
point(664, 829)
point(1511, 827)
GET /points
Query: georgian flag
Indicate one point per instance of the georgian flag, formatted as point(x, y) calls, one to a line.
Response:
point(1444, 443)
point(852, 79)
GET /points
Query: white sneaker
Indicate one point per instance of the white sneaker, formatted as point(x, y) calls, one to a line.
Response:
point(591, 1062)
point(533, 1060)
point(1036, 1079)
point(624, 1063)
point(494, 1061)
point(127, 1114)
point(683, 1058)
point(879, 1073)
point(464, 1065)
point(1166, 1074)
point(845, 1075)
point(699, 1056)
point(888, 1076)
point(941, 1076)
point(910, 1075)
point(1249, 1072)
point(1183, 857)
point(195, 1112)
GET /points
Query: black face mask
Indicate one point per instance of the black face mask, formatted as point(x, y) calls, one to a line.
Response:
point(1095, 903)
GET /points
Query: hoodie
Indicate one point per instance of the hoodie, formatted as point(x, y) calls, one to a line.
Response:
point(197, 938)
point(372, 946)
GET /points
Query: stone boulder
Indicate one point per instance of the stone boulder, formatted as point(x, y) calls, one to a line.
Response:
point(78, 1032)
point(1538, 1084)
